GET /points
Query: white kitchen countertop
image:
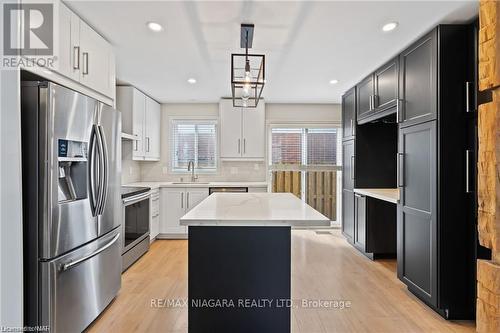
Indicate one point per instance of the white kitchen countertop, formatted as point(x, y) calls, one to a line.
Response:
point(154, 185)
point(385, 194)
point(254, 209)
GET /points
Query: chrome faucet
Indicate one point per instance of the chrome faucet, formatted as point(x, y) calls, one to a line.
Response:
point(191, 168)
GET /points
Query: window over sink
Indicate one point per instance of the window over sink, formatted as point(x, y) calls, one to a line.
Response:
point(194, 140)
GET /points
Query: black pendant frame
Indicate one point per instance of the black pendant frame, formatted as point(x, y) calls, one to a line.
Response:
point(257, 71)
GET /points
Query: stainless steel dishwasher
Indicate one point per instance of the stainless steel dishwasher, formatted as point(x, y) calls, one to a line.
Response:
point(227, 189)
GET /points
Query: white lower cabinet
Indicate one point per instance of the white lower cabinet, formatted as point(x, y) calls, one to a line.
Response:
point(154, 222)
point(175, 202)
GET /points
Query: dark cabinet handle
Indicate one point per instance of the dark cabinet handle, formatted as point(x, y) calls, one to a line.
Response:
point(352, 167)
point(400, 169)
point(467, 171)
point(468, 98)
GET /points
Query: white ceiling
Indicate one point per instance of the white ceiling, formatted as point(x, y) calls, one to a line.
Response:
point(306, 43)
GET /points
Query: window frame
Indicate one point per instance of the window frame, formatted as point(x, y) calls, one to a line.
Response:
point(197, 120)
point(302, 168)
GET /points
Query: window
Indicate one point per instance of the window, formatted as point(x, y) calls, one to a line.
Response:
point(194, 140)
point(304, 146)
point(305, 161)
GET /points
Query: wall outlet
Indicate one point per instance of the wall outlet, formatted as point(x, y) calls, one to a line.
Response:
point(164, 170)
point(233, 170)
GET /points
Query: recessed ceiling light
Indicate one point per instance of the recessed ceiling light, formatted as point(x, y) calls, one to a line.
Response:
point(192, 80)
point(153, 26)
point(334, 81)
point(389, 26)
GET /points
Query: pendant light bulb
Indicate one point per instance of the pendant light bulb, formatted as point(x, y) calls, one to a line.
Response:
point(246, 86)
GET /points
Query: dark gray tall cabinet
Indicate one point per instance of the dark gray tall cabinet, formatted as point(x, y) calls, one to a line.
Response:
point(348, 155)
point(435, 233)
point(436, 237)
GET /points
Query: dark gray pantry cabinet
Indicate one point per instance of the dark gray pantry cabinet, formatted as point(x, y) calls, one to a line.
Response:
point(412, 123)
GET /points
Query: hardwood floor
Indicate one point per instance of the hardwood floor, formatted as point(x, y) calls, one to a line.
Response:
point(324, 267)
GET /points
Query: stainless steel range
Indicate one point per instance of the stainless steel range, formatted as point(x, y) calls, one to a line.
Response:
point(136, 203)
point(71, 154)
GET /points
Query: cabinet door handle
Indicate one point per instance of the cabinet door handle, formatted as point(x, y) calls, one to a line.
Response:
point(467, 171)
point(400, 169)
point(352, 127)
point(375, 101)
point(370, 103)
point(239, 146)
point(76, 57)
point(182, 199)
point(85, 63)
point(147, 140)
point(187, 200)
point(397, 111)
point(244, 146)
point(468, 91)
point(352, 167)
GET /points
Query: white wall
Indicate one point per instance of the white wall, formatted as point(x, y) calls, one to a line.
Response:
point(228, 171)
point(11, 234)
point(306, 113)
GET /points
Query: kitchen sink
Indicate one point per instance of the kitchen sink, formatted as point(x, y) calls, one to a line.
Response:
point(190, 183)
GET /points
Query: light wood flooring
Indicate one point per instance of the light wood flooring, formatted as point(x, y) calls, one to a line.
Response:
point(324, 267)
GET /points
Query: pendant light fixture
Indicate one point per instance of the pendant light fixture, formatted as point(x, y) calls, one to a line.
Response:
point(247, 72)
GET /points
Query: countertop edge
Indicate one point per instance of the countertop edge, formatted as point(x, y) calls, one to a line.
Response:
point(380, 196)
point(255, 223)
point(155, 185)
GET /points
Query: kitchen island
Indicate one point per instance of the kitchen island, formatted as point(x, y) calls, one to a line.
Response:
point(240, 261)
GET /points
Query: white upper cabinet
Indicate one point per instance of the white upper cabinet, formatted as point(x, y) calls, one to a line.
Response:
point(253, 132)
point(230, 129)
point(141, 118)
point(152, 129)
point(138, 112)
point(84, 56)
point(96, 60)
point(242, 131)
point(69, 44)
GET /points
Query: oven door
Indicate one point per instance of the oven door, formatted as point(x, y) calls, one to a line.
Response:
point(136, 224)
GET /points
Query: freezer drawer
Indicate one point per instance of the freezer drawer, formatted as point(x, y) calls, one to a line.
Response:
point(79, 285)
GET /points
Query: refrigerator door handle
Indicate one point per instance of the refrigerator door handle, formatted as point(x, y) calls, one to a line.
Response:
point(105, 172)
point(92, 171)
point(101, 167)
point(69, 265)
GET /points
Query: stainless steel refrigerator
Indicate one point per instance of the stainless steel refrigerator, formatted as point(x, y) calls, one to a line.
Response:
point(71, 151)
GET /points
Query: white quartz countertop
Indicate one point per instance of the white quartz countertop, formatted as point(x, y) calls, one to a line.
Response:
point(385, 194)
point(154, 185)
point(254, 209)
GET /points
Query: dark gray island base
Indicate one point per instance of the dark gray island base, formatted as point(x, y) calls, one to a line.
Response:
point(239, 279)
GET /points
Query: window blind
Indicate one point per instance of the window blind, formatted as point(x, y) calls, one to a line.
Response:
point(194, 141)
point(304, 147)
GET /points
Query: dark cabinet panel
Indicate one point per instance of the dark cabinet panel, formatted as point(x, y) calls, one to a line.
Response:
point(418, 81)
point(348, 214)
point(348, 165)
point(386, 85)
point(365, 93)
point(349, 114)
point(360, 222)
point(417, 224)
